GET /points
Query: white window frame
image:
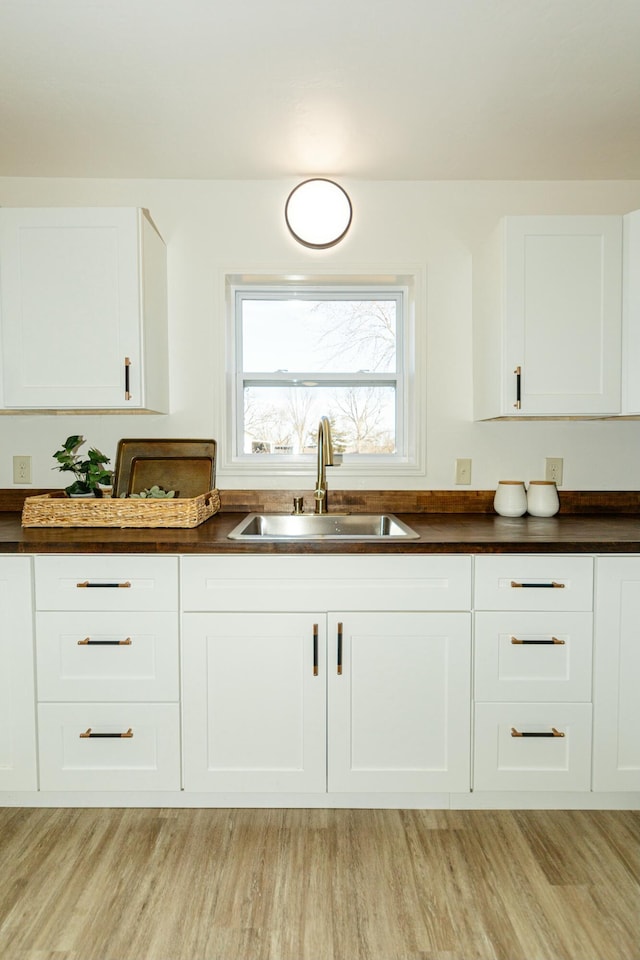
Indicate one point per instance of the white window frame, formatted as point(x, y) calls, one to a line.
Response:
point(409, 457)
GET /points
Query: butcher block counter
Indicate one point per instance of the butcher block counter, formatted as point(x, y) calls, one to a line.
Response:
point(447, 522)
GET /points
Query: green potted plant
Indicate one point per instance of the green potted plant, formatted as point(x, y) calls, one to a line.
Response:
point(90, 473)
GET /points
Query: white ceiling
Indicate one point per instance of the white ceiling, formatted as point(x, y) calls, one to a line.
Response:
point(375, 89)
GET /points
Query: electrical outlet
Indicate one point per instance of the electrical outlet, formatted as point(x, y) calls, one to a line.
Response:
point(22, 469)
point(463, 470)
point(553, 469)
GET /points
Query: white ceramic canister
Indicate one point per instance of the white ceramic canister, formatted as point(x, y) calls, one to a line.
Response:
point(542, 498)
point(511, 498)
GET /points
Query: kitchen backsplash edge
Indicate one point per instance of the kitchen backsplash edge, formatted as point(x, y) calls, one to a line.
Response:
point(572, 502)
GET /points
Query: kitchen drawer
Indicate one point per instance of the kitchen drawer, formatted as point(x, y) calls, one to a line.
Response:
point(503, 761)
point(147, 759)
point(534, 583)
point(107, 656)
point(528, 656)
point(298, 584)
point(106, 582)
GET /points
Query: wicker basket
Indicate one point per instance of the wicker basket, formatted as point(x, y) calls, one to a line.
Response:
point(58, 510)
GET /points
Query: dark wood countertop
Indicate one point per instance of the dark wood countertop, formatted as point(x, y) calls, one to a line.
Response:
point(439, 533)
point(447, 522)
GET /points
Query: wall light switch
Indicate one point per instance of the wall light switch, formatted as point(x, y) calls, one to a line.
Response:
point(463, 470)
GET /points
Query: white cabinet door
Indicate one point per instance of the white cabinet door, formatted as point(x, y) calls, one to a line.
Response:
point(17, 694)
point(631, 314)
point(399, 704)
point(254, 702)
point(616, 700)
point(549, 342)
point(83, 304)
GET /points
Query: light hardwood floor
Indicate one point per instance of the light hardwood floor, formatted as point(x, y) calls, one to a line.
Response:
point(94, 884)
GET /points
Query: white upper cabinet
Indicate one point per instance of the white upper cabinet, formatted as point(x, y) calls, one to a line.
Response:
point(83, 310)
point(548, 318)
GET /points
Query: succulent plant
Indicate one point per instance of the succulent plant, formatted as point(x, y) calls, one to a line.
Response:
point(153, 493)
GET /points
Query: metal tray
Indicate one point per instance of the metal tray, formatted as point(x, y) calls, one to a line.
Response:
point(186, 466)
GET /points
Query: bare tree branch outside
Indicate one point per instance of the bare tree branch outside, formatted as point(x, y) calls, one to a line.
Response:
point(305, 357)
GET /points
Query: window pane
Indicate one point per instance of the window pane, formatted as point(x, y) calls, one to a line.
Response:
point(342, 336)
point(284, 420)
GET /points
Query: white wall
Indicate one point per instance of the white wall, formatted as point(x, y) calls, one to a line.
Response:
point(213, 227)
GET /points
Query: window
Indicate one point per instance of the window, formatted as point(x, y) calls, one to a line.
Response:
point(312, 349)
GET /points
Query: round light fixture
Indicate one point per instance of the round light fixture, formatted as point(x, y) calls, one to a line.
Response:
point(318, 213)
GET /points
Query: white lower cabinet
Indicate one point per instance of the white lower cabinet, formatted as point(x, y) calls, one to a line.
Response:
point(359, 701)
point(254, 709)
point(533, 673)
point(532, 746)
point(399, 702)
point(256, 713)
point(17, 689)
point(616, 695)
point(337, 679)
point(106, 655)
point(107, 641)
point(109, 746)
point(533, 656)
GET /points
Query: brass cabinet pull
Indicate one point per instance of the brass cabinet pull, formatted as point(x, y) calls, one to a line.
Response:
point(88, 642)
point(528, 586)
point(127, 379)
point(518, 373)
point(118, 736)
point(553, 641)
point(86, 584)
point(339, 665)
point(536, 733)
point(315, 649)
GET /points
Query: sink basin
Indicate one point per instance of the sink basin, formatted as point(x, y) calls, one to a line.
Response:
point(327, 526)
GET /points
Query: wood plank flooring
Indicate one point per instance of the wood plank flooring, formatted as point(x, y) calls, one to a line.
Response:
point(101, 884)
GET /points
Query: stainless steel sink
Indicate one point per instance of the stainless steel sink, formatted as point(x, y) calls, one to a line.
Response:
point(327, 526)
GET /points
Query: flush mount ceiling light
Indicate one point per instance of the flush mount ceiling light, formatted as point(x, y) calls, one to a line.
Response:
point(318, 213)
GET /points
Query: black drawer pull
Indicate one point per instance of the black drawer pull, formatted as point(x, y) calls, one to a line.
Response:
point(88, 642)
point(536, 733)
point(530, 586)
point(518, 373)
point(127, 378)
point(553, 642)
point(87, 585)
point(118, 736)
point(315, 649)
point(339, 666)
